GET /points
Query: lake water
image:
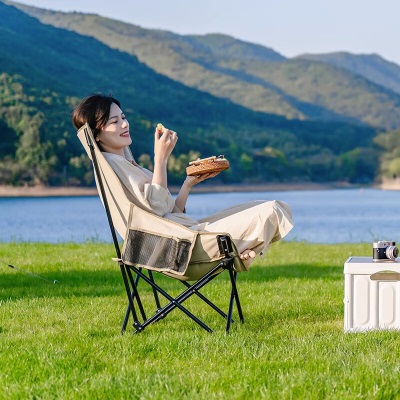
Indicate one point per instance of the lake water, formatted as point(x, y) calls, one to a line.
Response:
point(324, 216)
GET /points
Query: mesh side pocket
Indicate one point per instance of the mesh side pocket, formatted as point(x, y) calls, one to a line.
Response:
point(156, 252)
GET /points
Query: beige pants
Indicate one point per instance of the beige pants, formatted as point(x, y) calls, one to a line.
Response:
point(253, 225)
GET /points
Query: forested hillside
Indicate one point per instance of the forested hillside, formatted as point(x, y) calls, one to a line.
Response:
point(250, 75)
point(45, 70)
point(370, 66)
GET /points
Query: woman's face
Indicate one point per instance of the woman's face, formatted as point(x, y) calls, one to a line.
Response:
point(114, 136)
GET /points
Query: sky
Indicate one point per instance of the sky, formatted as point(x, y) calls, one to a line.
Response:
point(290, 27)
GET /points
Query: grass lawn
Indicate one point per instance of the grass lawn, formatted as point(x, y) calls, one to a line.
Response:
point(63, 340)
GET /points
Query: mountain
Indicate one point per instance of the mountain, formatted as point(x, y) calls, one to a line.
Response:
point(45, 70)
point(371, 66)
point(249, 75)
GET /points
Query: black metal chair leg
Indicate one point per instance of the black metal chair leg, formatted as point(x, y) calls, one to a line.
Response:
point(156, 299)
point(234, 296)
point(155, 293)
point(128, 309)
point(207, 301)
point(238, 305)
point(136, 293)
point(131, 306)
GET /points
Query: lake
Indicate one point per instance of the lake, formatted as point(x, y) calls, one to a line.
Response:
point(321, 216)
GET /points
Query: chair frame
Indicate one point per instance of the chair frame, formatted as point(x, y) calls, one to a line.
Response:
point(131, 284)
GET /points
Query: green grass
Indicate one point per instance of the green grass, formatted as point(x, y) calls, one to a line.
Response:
point(63, 340)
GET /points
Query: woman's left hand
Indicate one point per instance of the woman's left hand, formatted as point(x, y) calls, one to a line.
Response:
point(194, 180)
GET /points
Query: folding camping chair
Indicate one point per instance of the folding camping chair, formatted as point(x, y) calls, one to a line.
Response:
point(152, 243)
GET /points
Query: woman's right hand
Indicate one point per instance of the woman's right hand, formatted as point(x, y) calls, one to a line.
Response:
point(164, 143)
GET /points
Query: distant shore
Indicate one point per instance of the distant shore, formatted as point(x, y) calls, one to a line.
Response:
point(65, 191)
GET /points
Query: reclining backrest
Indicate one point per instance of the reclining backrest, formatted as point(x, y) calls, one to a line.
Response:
point(118, 202)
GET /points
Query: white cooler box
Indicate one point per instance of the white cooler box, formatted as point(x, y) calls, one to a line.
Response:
point(372, 294)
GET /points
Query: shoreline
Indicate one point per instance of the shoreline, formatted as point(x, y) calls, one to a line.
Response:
point(44, 191)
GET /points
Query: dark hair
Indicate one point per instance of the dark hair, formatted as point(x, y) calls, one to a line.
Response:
point(95, 110)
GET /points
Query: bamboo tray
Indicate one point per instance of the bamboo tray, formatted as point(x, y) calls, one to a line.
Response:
point(207, 165)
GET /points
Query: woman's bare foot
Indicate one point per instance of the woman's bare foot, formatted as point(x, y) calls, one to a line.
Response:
point(247, 254)
point(247, 257)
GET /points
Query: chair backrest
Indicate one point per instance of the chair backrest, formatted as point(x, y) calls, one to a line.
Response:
point(116, 198)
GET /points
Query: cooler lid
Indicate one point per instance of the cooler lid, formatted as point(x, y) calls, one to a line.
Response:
point(366, 266)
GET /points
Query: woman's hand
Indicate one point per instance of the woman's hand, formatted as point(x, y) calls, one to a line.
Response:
point(164, 142)
point(191, 181)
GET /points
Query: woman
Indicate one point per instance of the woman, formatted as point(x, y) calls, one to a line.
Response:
point(253, 226)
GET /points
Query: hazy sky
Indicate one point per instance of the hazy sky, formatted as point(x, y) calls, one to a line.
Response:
point(290, 27)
